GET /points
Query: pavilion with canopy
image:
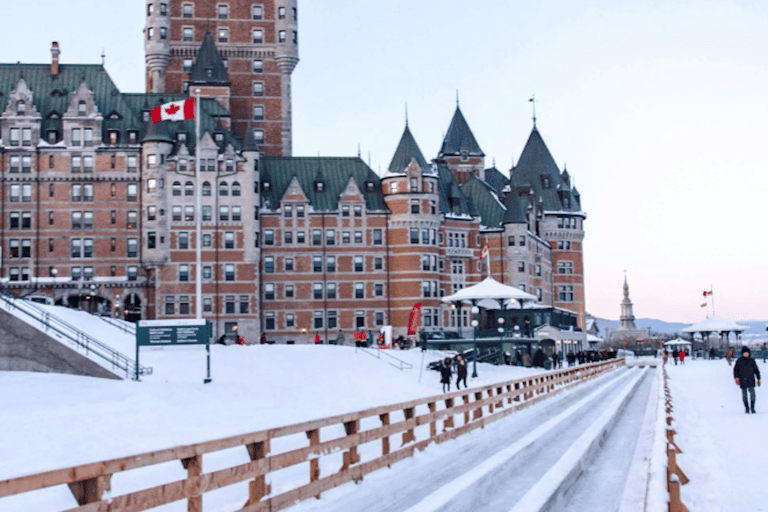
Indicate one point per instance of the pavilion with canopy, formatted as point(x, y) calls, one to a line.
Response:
point(717, 325)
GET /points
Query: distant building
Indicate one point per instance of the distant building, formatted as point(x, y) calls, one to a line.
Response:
point(627, 330)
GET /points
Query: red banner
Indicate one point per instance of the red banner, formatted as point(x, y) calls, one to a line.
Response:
point(413, 323)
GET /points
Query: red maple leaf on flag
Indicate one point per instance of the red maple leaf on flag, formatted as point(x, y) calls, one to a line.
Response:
point(172, 109)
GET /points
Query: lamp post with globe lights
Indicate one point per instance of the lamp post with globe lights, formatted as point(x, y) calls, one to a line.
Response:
point(475, 311)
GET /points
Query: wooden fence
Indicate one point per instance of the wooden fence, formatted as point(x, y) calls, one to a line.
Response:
point(447, 416)
point(675, 476)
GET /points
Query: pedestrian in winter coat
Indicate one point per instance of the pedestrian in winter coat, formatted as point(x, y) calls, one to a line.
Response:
point(744, 372)
point(461, 371)
point(445, 374)
point(318, 339)
point(555, 359)
point(539, 358)
point(682, 357)
point(526, 359)
point(729, 355)
point(340, 338)
point(675, 355)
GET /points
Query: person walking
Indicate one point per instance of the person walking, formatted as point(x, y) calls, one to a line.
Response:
point(318, 339)
point(554, 360)
point(461, 371)
point(682, 357)
point(675, 356)
point(744, 372)
point(340, 338)
point(445, 374)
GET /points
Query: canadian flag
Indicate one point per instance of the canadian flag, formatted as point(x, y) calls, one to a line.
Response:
point(174, 111)
point(484, 252)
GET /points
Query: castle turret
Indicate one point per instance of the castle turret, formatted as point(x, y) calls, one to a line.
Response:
point(157, 48)
point(287, 56)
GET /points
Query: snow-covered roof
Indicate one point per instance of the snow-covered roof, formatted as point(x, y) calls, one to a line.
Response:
point(716, 324)
point(677, 341)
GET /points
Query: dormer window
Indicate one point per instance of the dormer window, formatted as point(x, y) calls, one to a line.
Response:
point(369, 186)
point(319, 186)
point(53, 136)
point(566, 202)
point(414, 184)
point(114, 136)
point(464, 155)
point(81, 109)
point(545, 181)
point(219, 137)
point(133, 136)
point(181, 137)
point(21, 108)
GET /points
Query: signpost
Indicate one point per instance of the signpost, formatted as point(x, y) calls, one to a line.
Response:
point(156, 333)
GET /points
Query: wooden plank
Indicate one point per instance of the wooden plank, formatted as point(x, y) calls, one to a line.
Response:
point(90, 490)
point(314, 464)
point(433, 422)
point(448, 421)
point(258, 488)
point(408, 436)
point(384, 439)
point(194, 467)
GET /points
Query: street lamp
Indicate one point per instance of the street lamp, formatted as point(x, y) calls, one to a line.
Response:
point(475, 311)
point(500, 321)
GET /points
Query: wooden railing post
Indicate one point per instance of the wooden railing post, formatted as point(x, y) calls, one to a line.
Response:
point(478, 413)
point(517, 388)
point(448, 421)
point(499, 392)
point(466, 412)
point(258, 488)
point(351, 456)
point(490, 405)
point(509, 391)
point(314, 463)
point(194, 467)
point(675, 504)
point(433, 423)
point(408, 435)
point(384, 440)
point(90, 490)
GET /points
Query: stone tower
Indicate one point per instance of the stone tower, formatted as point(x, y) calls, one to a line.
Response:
point(258, 43)
point(627, 316)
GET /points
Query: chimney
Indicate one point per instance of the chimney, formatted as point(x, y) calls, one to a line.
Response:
point(55, 59)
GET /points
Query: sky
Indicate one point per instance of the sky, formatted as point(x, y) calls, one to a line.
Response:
point(657, 108)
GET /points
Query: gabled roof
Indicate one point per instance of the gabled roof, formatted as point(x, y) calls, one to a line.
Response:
point(208, 68)
point(407, 150)
point(496, 180)
point(537, 168)
point(334, 172)
point(452, 199)
point(486, 201)
point(459, 137)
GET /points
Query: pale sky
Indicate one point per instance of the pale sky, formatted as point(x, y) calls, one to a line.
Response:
point(657, 107)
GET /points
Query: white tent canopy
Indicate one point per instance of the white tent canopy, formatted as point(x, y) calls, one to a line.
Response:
point(677, 342)
point(716, 324)
point(489, 288)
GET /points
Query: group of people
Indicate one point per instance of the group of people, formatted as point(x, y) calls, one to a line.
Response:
point(446, 371)
point(677, 355)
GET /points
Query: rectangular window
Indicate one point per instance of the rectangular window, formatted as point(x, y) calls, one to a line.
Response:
point(288, 263)
point(378, 263)
point(237, 213)
point(184, 305)
point(88, 137)
point(414, 206)
point(222, 11)
point(378, 289)
point(281, 13)
point(151, 240)
point(223, 35)
point(186, 10)
point(229, 240)
point(414, 235)
point(257, 12)
point(281, 36)
point(132, 164)
point(183, 272)
point(300, 237)
point(269, 321)
point(183, 240)
point(290, 320)
point(359, 290)
point(330, 263)
point(288, 237)
point(269, 291)
point(189, 213)
point(223, 213)
point(317, 291)
point(258, 36)
point(229, 272)
point(330, 237)
point(317, 237)
point(358, 210)
point(258, 89)
point(269, 264)
point(269, 237)
point(288, 291)
point(522, 241)
point(330, 290)
point(358, 263)
point(317, 319)
point(76, 248)
point(76, 139)
point(207, 304)
point(566, 293)
point(377, 236)
point(359, 319)
point(379, 318)
point(207, 272)
point(207, 213)
point(345, 237)
point(229, 304)
point(358, 237)
point(176, 213)
point(14, 136)
point(258, 112)
point(77, 220)
point(244, 304)
point(317, 264)
point(300, 211)
point(258, 66)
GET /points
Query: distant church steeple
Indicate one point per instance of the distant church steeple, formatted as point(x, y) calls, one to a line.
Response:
point(627, 316)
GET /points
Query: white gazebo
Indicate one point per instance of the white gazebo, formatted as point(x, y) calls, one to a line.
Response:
point(677, 343)
point(715, 324)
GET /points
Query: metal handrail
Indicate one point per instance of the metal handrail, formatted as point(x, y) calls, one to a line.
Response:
point(401, 366)
point(74, 335)
point(124, 326)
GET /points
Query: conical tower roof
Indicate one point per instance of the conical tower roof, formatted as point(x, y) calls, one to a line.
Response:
point(459, 137)
point(537, 168)
point(406, 150)
point(208, 68)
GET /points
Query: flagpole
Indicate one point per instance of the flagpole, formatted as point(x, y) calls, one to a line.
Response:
point(712, 294)
point(488, 260)
point(198, 216)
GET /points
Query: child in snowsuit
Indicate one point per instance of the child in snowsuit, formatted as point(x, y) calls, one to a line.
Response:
point(744, 372)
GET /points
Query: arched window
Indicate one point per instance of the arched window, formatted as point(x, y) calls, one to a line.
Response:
point(189, 189)
point(223, 189)
point(206, 188)
point(236, 188)
point(176, 188)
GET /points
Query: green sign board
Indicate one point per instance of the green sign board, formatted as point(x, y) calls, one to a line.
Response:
point(173, 332)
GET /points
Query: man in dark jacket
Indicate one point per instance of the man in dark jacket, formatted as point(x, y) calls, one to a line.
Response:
point(744, 372)
point(445, 374)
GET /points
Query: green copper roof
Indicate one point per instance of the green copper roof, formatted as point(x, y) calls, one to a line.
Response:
point(537, 168)
point(452, 200)
point(459, 137)
point(496, 180)
point(208, 68)
point(486, 202)
point(515, 209)
point(333, 172)
point(406, 150)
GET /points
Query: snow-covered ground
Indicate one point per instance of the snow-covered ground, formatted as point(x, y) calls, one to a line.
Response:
point(724, 450)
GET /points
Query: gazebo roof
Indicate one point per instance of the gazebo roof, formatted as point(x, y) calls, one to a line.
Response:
point(716, 324)
point(489, 288)
point(678, 341)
